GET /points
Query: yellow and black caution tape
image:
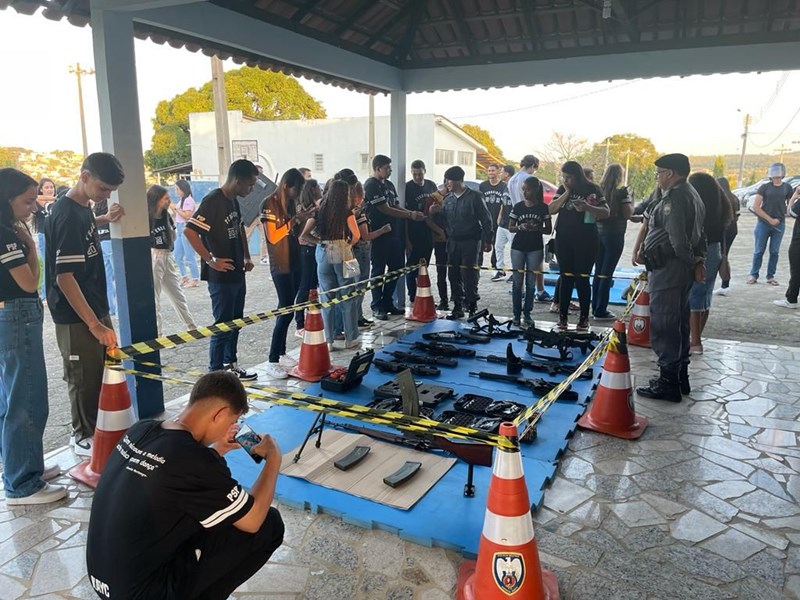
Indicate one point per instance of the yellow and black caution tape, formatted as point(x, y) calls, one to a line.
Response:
point(184, 337)
point(632, 276)
point(418, 425)
point(609, 340)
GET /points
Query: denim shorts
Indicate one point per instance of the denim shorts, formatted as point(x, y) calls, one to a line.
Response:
point(701, 294)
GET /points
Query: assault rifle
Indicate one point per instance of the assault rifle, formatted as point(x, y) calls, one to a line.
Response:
point(457, 337)
point(537, 385)
point(440, 349)
point(514, 365)
point(563, 340)
point(419, 359)
point(390, 366)
point(470, 452)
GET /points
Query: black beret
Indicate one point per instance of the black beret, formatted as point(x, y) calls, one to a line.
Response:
point(454, 174)
point(675, 162)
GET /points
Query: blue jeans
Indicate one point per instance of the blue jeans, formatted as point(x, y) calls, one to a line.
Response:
point(286, 285)
point(330, 276)
point(608, 252)
point(762, 233)
point(40, 242)
point(701, 293)
point(111, 291)
point(227, 303)
point(362, 251)
point(184, 251)
point(23, 396)
point(307, 280)
point(529, 261)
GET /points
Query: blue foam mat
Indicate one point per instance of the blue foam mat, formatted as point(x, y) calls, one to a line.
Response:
point(443, 517)
point(622, 279)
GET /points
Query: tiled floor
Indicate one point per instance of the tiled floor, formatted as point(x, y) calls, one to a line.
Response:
point(704, 505)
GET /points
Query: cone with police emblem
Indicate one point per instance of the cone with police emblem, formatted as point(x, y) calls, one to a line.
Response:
point(114, 417)
point(508, 557)
point(639, 325)
point(612, 411)
point(315, 359)
point(424, 309)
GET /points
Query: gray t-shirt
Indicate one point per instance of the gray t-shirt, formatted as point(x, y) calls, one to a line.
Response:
point(775, 197)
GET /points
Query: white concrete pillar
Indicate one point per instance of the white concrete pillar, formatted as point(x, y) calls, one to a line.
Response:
point(397, 133)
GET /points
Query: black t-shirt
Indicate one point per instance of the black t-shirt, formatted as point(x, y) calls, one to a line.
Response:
point(103, 231)
point(493, 196)
point(286, 253)
point(218, 221)
point(160, 487)
point(616, 222)
point(13, 254)
point(507, 206)
point(162, 232)
point(529, 241)
point(38, 218)
point(774, 199)
point(73, 246)
point(573, 222)
point(377, 193)
point(418, 198)
point(794, 210)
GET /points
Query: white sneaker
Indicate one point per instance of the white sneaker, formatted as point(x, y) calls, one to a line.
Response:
point(356, 343)
point(275, 371)
point(81, 447)
point(49, 493)
point(722, 291)
point(51, 472)
point(287, 362)
point(784, 303)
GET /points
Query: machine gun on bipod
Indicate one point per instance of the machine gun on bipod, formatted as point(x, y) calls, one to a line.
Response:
point(514, 365)
point(485, 323)
point(562, 340)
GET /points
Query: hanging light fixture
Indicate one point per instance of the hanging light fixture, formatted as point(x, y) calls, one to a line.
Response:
point(606, 9)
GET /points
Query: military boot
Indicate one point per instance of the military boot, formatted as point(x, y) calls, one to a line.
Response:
point(457, 313)
point(665, 387)
point(683, 379)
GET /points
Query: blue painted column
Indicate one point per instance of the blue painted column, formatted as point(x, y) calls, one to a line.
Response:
point(112, 35)
point(397, 143)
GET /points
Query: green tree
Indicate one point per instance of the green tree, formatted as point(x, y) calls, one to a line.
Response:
point(633, 152)
point(484, 137)
point(259, 94)
point(719, 167)
point(9, 156)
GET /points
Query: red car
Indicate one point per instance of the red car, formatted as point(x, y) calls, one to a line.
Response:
point(549, 188)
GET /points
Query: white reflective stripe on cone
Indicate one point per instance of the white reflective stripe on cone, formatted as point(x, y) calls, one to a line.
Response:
point(112, 376)
point(641, 310)
point(616, 381)
point(313, 338)
point(508, 531)
point(424, 292)
point(422, 271)
point(510, 468)
point(115, 420)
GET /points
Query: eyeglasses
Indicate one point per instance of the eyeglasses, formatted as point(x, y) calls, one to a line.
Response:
point(660, 171)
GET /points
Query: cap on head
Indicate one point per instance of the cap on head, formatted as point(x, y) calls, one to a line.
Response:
point(679, 163)
point(777, 170)
point(529, 160)
point(454, 174)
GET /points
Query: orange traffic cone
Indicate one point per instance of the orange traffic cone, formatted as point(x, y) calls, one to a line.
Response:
point(508, 558)
point(114, 417)
point(639, 325)
point(424, 308)
point(315, 360)
point(612, 411)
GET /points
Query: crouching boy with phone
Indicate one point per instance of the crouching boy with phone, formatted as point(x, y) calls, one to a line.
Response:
point(168, 521)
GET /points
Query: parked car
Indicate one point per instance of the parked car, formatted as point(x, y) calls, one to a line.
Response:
point(747, 194)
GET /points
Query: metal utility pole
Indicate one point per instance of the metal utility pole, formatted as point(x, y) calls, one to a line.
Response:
point(744, 148)
point(79, 72)
point(627, 165)
point(608, 149)
point(782, 149)
point(221, 118)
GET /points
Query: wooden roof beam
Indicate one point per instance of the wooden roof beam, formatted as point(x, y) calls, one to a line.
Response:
point(466, 33)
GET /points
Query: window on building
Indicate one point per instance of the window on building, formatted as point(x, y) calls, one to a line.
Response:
point(465, 158)
point(444, 157)
point(365, 166)
point(319, 162)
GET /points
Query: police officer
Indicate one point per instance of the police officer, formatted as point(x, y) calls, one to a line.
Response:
point(674, 253)
point(469, 229)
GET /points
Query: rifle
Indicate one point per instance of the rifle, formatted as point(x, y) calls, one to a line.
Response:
point(419, 359)
point(493, 328)
point(514, 365)
point(562, 340)
point(470, 452)
point(387, 366)
point(457, 337)
point(440, 349)
point(537, 385)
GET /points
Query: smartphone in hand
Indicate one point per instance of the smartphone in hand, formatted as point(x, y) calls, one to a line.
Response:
point(249, 439)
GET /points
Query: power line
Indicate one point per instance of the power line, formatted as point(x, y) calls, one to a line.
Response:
point(521, 108)
point(797, 112)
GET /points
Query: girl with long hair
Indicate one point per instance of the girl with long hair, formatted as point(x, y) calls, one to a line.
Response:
point(281, 218)
point(611, 234)
point(184, 253)
point(579, 206)
point(718, 215)
point(46, 195)
point(310, 196)
point(23, 384)
point(731, 231)
point(335, 230)
point(162, 242)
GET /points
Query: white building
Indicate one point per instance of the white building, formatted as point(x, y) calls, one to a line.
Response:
point(328, 145)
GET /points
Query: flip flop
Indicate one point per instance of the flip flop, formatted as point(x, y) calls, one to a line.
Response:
point(773, 282)
point(752, 280)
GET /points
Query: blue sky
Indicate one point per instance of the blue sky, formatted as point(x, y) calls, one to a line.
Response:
point(695, 115)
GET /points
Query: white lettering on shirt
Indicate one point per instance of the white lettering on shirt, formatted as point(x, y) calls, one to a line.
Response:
point(139, 461)
point(100, 587)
